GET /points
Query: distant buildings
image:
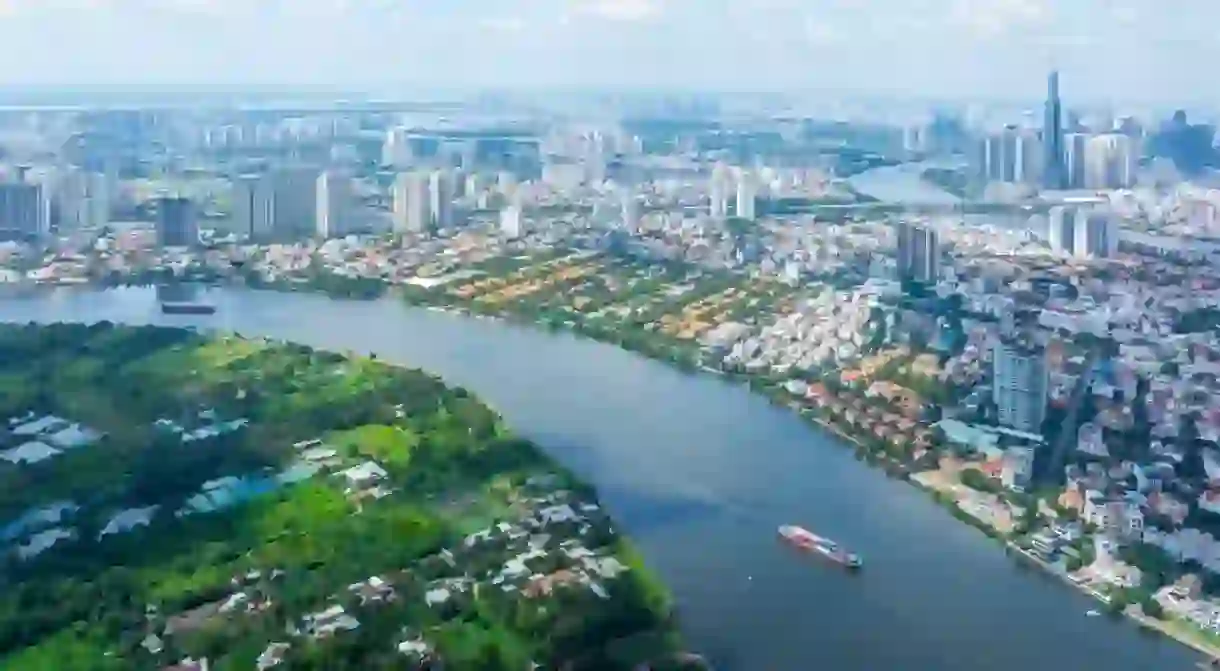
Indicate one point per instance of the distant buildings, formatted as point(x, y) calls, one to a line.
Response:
point(747, 196)
point(510, 222)
point(1082, 231)
point(1111, 161)
point(918, 253)
point(83, 199)
point(25, 212)
point(177, 225)
point(720, 185)
point(1019, 386)
point(412, 210)
point(335, 210)
point(279, 205)
point(440, 199)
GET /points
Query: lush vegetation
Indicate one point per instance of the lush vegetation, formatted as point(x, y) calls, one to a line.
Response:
point(450, 468)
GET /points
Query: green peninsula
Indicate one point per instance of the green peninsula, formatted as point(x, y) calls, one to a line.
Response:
point(170, 500)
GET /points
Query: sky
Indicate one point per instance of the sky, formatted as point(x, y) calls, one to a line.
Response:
point(958, 49)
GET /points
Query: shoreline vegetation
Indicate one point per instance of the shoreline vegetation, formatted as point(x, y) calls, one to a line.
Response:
point(332, 512)
point(903, 446)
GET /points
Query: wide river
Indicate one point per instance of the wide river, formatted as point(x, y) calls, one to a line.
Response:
point(699, 473)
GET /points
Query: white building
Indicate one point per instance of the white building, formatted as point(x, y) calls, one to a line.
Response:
point(334, 205)
point(510, 222)
point(1096, 234)
point(84, 200)
point(412, 208)
point(718, 191)
point(747, 195)
point(440, 199)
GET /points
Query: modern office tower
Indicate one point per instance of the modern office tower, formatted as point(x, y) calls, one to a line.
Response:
point(177, 225)
point(83, 198)
point(1028, 157)
point(718, 191)
point(412, 209)
point(440, 199)
point(1075, 149)
point(1096, 234)
point(25, 212)
point(334, 205)
point(1019, 386)
point(1061, 229)
point(1052, 136)
point(253, 213)
point(747, 196)
point(1111, 161)
point(918, 253)
point(510, 222)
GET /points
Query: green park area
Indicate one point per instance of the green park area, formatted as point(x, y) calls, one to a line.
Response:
point(167, 495)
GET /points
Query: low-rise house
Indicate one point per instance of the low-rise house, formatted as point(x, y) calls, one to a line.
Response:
point(272, 657)
point(327, 623)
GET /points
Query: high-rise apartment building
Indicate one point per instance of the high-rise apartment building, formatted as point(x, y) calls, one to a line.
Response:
point(253, 214)
point(334, 205)
point(412, 209)
point(747, 196)
point(510, 222)
point(1096, 234)
point(83, 199)
point(918, 253)
point(1019, 385)
point(1052, 136)
point(177, 224)
point(1061, 229)
point(720, 185)
point(1111, 161)
point(440, 199)
point(25, 212)
point(1075, 146)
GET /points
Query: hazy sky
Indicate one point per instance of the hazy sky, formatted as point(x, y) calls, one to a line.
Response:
point(1120, 49)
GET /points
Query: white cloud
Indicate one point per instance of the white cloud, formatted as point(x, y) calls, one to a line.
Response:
point(621, 10)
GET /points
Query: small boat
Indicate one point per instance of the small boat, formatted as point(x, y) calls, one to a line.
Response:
point(187, 308)
point(808, 541)
point(1092, 613)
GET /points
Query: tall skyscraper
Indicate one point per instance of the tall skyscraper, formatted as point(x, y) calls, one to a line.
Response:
point(334, 205)
point(918, 253)
point(1052, 136)
point(1111, 161)
point(177, 225)
point(412, 210)
point(1019, 385)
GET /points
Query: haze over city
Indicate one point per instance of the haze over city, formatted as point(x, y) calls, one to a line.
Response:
point(1133, 50)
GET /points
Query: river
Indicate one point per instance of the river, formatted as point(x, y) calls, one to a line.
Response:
point(699, 473)
point(903, 184)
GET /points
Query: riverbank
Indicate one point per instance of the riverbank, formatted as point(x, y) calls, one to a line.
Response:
point(697, 474)
point(864, 443)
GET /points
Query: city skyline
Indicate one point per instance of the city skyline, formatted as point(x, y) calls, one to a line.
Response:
point(918, 47)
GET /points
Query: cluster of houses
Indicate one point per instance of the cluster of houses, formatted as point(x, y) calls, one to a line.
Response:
point(35, 438)
point(550, 547)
